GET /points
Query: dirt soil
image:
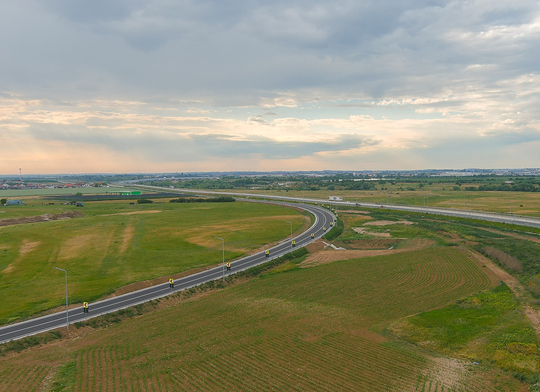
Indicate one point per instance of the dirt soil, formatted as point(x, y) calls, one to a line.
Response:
point(353, 212)
point(329, 256)
point(362, 230)
point(386, 223)
point(513, 235)
point(41, 218)
point(365, 244)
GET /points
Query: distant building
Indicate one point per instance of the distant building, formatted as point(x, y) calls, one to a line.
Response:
point(14, 202)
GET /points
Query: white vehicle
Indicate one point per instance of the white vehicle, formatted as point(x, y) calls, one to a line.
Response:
point(335, 198)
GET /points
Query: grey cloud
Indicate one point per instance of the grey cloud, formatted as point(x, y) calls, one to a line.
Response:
point(188, 147)
point(235, 52)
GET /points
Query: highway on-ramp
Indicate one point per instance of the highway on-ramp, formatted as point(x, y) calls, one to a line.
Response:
point(323, 218)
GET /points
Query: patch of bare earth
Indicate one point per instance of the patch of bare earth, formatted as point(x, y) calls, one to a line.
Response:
point(135, 212)
point(513, 235)
point(371, 243)
point(127, 236)
point(40, 218)
point(446, 371)
point(362, 230)
point(27, 246)
point(353, 212)
point(329, 256)
point(315, 246)
point(386, 223)
point(75, 246)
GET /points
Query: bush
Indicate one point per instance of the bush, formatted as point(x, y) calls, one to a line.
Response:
point(144, 201)
point(504, 258)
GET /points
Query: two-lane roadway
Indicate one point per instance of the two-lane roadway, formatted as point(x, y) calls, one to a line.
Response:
point(323, 218)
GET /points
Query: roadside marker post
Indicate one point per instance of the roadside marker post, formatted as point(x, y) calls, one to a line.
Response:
point(67, 311)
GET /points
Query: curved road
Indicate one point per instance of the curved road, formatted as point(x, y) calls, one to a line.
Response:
point(323, 218)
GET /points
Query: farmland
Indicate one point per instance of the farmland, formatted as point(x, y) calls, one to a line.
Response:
point(115, 244)
point(420, 315)
point(304, 329)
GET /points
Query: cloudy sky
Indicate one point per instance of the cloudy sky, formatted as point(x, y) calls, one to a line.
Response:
point(180, 85)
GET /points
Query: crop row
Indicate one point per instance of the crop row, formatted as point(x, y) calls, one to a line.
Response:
point(336, 362)
point(23, 378)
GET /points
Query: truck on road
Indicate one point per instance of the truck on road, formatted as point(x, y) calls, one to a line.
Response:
point(335, 198)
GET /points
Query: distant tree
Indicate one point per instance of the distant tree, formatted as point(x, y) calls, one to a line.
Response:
point(3, 201)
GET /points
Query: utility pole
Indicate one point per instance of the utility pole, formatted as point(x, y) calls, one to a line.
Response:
point(67, 313)
point(223, 263)
point(291, 234)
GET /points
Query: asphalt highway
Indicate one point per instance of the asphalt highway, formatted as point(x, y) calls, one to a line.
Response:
point(489, 216)
point(322, 216)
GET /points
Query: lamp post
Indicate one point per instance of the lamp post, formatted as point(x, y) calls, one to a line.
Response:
point(67, 313)
point(291, 234)
point(219, 238)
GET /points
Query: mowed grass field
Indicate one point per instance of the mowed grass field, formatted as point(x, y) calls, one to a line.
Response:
point(304, 329)
point(116, 244)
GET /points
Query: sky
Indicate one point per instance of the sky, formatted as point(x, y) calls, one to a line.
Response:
point(115, 86)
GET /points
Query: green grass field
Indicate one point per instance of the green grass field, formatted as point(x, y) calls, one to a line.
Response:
point(382, 323)
point(521, 203)
point(487, 327)
point(34, 193)
point(304, 329)
point(115, 244)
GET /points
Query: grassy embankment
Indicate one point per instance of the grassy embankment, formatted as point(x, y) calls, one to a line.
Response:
point(116, 244)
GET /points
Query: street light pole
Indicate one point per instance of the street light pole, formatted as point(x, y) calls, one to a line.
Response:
point(291, 234)
point(219, 238)
point(67, 313)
